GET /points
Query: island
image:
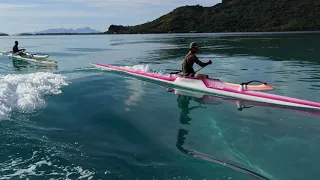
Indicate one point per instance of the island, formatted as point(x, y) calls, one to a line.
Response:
point(233, 16)
point(51, 34)
point(4, 34)
point(63, 31)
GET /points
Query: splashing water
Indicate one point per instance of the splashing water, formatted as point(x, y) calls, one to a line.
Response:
point(25, 93)
point(140, 67)
point(145, 68)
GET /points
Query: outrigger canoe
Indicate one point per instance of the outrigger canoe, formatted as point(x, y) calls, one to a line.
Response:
point(37, 56)
point(216, 87)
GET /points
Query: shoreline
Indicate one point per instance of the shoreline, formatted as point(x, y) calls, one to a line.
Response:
point(230, 33)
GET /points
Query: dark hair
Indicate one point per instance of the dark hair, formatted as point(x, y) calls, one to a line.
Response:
point(16, 42)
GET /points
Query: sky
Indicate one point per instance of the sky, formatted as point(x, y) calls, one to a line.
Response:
point(17, 16)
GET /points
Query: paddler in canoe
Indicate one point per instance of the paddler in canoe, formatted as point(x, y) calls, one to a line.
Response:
point(16, 50)
point(190, 59)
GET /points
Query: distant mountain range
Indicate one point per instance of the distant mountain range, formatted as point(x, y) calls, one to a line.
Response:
point(85, 30)
point(63, 30)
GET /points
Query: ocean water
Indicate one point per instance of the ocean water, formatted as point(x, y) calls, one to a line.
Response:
point(74, 121)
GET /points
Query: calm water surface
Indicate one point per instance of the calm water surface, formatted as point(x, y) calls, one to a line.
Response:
point(76, 122)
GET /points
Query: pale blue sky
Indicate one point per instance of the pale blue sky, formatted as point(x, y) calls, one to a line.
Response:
point(18, 16)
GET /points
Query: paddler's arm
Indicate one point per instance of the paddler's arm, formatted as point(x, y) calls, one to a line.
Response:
point(196, 60)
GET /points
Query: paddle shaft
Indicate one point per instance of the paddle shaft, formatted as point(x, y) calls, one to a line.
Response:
point(199, 69)
point(178, 71)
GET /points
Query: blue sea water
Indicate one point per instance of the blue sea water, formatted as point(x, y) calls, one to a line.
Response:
point(74, 121)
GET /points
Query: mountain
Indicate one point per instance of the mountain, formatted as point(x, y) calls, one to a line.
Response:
point(4, 34)
point(61, 31)
point(234, 16)
point(85, 30)
point(56, 31)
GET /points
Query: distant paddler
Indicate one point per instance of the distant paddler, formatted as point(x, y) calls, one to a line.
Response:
point(190, 59)
point(16, 50)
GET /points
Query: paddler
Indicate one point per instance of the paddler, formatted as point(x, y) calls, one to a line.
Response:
point(190, 59)
point(16, 50)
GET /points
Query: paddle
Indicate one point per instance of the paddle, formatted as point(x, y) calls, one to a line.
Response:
point(209, 62)
point(199, 69)
point(173, 70)
point(178, 71)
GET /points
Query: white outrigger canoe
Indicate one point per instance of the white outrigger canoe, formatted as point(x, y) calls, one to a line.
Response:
point(31, 58)
point(38, 56)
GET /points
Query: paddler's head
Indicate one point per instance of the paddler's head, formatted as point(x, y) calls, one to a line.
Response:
point(16, 43)
point(193, 47)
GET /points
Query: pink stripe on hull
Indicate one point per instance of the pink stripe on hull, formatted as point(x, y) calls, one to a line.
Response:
point(143, 73)
point(209, 83)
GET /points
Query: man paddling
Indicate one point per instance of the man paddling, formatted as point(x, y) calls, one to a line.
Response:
point(16, 50)
point(190, 59)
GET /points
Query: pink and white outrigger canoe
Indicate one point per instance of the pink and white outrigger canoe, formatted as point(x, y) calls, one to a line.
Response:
point(216, 87)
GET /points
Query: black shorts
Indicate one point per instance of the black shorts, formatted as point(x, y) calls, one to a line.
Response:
point(188, 72)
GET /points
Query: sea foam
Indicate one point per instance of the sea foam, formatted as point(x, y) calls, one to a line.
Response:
point(24, 93)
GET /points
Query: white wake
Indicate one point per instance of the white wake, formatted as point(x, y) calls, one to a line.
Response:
point(25, 93)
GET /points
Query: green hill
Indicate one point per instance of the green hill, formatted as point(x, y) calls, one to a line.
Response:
point(234, 16)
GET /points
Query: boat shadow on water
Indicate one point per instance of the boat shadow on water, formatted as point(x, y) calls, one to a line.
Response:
point(184, 99)
point(187, 96)
point(26, 66)
point(183, 102)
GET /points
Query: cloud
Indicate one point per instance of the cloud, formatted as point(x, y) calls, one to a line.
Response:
point(56, 14)
point(123, 3)
point(17, 6)
point(143, 4)
point(94, 13)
